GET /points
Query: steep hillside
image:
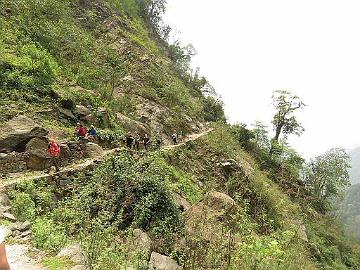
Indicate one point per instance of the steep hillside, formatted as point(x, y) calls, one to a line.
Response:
point(56, 55)
point(355, 166)
point(350, 211)
point(216, 200)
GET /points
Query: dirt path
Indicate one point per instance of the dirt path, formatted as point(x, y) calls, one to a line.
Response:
point(76, 167)
point(19, 260)
point(192, 137)
point(18, 254)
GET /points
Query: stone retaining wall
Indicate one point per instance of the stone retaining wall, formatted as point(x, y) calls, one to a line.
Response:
point(12, 163)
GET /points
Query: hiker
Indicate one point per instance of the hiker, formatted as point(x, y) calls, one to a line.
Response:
point(54, 150)
point(137, 141)
point(92, 133)
point(129, 140)
point(158, 141)
point(174, 137)
point(4, 265)
point(80, 131)
point(146, 142)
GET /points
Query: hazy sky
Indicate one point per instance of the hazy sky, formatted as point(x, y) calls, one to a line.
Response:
point(247, 49)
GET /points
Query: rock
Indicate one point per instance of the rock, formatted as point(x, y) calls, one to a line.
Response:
point(39, 157)
point(103, 118)
point(205, 221)
point(219, 202)
point(4, 209)
point(68, 113)
point(67, 104)
point(82, 110)
point(79, 267)
point(16, 133)
point(93, 150)
point(300, 229)
point(161, 262)
point(140, 242)
point(65, 152)
point(26, 233)
point(74, 253)
point(128, 78)
point(4, 200)
point(180, 202)
point(7, 232)
point(24, 226)
point(130, 124)
point(230, 165)
point(3, 155)
point(9, 216)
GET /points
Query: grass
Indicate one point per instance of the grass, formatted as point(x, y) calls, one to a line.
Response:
point(57, 263)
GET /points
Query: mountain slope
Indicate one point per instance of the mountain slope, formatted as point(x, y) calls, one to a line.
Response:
point(355, 166)
point(205, 204)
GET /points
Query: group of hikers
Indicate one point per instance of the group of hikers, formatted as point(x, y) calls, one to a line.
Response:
point(81, 132)
point(134, 141)
point(130, 140)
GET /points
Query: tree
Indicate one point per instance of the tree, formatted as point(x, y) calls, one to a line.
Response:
point(328, 176)
point(284, 121)
point(261, 135)
point(152, 10)
point(213, 109)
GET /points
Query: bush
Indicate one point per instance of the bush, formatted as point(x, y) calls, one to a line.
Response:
point(47, 235)
point(22, 206)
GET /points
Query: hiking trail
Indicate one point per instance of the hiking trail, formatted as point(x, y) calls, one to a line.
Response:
point(22, 256)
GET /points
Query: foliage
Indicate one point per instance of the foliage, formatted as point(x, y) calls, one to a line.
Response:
point(47, 235)
point(57, 263)
point(213, 110)
point(328, 177)
point(22, 206)
point(349, 211)
point(284, 121)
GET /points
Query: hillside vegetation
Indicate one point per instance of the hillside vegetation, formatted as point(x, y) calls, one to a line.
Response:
point(229, 199)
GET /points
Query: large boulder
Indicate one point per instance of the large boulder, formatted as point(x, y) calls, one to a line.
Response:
point(93, 150)
point(161, 262)
point(39, 157)
point(209, 216)
point(82, 110)
point(16, 133)
point(74, 253)
point(130, 124)
point(181, 202)
point(140, 242)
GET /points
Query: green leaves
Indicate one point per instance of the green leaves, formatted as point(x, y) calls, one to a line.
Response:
point(328, 176)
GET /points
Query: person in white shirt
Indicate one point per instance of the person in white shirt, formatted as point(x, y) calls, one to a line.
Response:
point(4, 265)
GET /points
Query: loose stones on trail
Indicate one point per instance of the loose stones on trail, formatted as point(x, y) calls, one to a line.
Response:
point(16, 133)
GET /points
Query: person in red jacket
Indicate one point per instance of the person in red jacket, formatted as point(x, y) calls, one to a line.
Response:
point(54, 150)
point(80, 131)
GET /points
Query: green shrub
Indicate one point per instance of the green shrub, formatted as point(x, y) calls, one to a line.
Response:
point(47, 235)
point(22, 206)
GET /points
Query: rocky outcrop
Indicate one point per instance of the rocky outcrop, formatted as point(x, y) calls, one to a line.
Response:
point(82, 111)
point(16, 133)
point(75, 254)
point(130, 124)
point(205, 221)
point(140, 242)
point(93, 150)
point(161, 262)
point(300, 228)
point(38, 154)
point(181, 202)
